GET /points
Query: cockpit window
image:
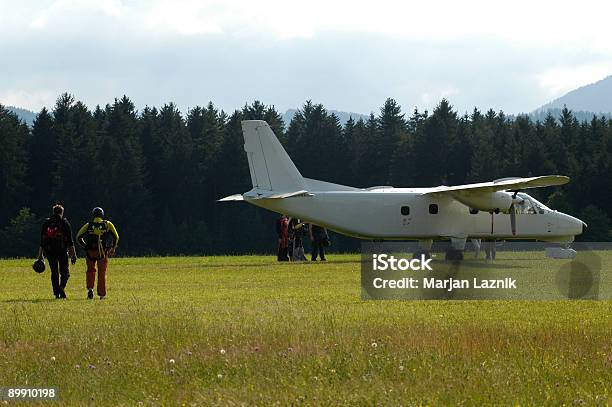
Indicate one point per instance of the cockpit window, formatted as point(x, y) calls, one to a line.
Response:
point(538, 206)
point(528, 205)
point(524, 207)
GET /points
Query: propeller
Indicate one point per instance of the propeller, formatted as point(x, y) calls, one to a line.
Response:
point(513, 213)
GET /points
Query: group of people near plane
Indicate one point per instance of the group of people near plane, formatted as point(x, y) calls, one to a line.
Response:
point(99, 239)
point(291, 235)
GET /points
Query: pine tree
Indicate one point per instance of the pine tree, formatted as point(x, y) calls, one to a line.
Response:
point(238, 228)
point(316, 144)
point(206, 126)
point(41, 150)
point(460, 153)
point(259, 111)
point(72, 159)
point(431, 146)
point(13, 164)
point(391, 130)
point(120, 185)
point(368, 177)
point(484, 166)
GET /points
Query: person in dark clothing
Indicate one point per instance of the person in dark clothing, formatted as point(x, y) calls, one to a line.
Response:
point(282, 230)
point(319, 239)
point(297, 230)
point(57, 245)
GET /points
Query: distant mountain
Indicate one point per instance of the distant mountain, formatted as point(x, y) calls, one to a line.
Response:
point(596, 97)
point(580, 115)
point(24, 114)
point(343, 116)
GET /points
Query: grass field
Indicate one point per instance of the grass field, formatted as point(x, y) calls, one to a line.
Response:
point(247, 330)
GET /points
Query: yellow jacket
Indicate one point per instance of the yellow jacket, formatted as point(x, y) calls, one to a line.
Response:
point(109, 225)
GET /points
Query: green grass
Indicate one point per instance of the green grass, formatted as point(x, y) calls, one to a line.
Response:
point(247, 330)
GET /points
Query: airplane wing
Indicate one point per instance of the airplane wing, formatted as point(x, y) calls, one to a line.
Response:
point(504, 184)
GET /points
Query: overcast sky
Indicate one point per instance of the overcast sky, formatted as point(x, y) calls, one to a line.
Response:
point(348, 55)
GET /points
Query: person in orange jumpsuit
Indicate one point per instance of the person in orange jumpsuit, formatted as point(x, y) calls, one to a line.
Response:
point(99, 238)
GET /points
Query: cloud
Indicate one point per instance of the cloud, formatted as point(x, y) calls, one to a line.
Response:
point(347, 55)
point(560, 80)
point(57, 12)
point(27, 99)
point(523, 21)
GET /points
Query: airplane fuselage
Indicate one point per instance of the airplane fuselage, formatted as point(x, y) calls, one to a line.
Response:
point(403, 213)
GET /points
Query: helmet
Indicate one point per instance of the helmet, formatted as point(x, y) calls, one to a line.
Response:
point(39, 266)
point(97, 212)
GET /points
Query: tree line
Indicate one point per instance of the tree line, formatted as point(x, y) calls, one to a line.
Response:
point(158, 172)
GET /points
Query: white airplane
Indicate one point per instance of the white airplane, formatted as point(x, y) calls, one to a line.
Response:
point(490, 210)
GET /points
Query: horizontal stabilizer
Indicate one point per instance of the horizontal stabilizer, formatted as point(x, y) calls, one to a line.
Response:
point(235, 197)
point(316, 185)
point(259, 194)
point(289, 195)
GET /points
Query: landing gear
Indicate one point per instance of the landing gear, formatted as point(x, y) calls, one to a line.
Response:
point(455, 251)
point(424, 249)
point(454, 255)
point(421, 252)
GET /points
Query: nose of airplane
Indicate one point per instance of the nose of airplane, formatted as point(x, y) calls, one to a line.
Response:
point(571, 225)
point(580, 225)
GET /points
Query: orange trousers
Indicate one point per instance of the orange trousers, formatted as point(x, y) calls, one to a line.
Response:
point(91, 274)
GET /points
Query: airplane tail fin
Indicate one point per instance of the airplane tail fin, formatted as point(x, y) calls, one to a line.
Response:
point(270, 166)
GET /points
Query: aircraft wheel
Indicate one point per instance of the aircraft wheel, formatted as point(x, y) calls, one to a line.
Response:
point(454, 255)
point(418, 253)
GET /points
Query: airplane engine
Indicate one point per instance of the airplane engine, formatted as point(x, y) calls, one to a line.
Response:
point(498, 201)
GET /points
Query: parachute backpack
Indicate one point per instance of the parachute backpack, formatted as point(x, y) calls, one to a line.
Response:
point(53, 238)
point(98, 237)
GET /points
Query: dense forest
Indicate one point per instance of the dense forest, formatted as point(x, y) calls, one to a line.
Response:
point(158, 173)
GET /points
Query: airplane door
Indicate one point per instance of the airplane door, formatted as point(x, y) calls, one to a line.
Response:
point(492, 224)
point(405, 216)
point(502, 226)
